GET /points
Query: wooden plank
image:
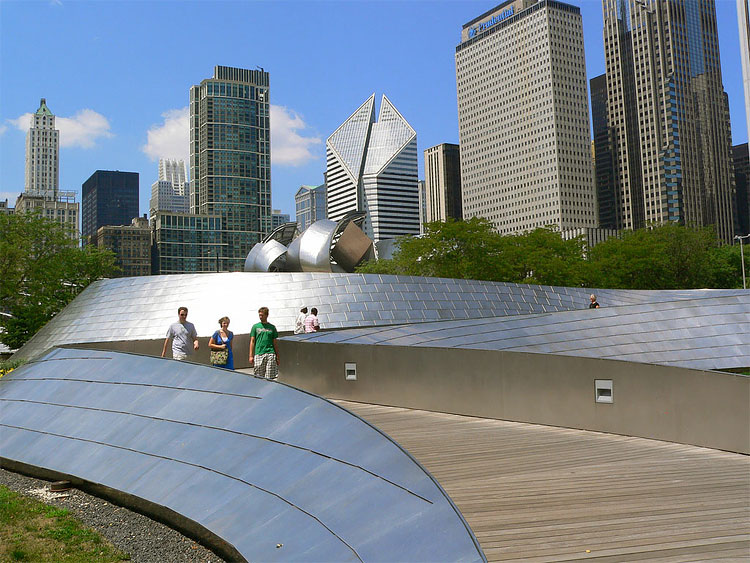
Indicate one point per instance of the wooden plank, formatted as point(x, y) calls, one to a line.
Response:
point(537, 493)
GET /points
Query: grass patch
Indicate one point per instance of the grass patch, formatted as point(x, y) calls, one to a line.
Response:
point(33, 531)
point(7, 366)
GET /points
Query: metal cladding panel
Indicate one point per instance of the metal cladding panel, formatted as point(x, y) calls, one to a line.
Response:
point(142, 308)
point(263, 257)
point(315, 246)
point(265, 464)
point(709, 331)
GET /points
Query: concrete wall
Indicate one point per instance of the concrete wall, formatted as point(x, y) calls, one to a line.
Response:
point(688, 406)
point(151, 347)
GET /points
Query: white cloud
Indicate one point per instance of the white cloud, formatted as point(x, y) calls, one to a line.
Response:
point(82, 130)
point(3, 129)
point(288, 146)
point(22, 122)
point(170, 139)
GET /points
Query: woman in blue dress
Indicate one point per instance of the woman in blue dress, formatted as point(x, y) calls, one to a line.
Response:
point(222, 340)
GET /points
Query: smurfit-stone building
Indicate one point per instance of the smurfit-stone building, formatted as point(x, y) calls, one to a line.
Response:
point(372, 166)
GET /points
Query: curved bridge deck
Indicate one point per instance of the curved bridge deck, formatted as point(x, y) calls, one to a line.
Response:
point(538, 493)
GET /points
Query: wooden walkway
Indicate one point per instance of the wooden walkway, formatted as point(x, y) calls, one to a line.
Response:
point(538, 493)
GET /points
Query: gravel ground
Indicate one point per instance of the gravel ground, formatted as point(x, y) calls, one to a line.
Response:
point(145, 540)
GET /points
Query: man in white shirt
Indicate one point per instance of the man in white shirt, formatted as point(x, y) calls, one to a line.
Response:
point(182, 333)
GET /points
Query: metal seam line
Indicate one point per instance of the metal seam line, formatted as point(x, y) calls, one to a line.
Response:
point(342, 540)
point(135, 385)
point(237, 432)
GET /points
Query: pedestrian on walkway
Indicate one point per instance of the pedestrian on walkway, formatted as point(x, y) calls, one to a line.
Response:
point(221, 346)
point(182, 333)
point(311, 322)
point(264, 357)
point(299, 323)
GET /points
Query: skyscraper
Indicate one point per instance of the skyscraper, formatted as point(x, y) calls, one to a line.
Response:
point(109, 197)
point(668, 114)
point(372, 166)
point(523, 118)
point(741, 165)
point(43, 153)
point(42, 182)
point(442, 176)
point(310, 203)
point(174, 171)
point(743, 21)
point(171, 191)
point(278, 218)
point(603, 166)
point(230, 158)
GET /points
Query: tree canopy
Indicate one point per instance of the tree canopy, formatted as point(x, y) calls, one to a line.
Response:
point(661, 257)
point(41, 270)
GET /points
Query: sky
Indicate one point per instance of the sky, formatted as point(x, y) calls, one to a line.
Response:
point(117, 75)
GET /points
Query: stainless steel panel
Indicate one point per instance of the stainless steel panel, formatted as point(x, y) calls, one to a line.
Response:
point(265, 464)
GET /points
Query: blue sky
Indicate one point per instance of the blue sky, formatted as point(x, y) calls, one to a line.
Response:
point(117, 75)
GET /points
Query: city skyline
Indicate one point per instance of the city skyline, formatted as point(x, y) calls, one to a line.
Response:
point(121, 97)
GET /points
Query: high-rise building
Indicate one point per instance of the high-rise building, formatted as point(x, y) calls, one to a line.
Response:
point(171, 191)
point(372, 166)
point(743, 20)
point(278, 218)
point(523, 118)
point(42, 185)
point(131, 245)
point(230, 158)
point(174, 171)
point(667, 114)
point(741, 165)
point(310, 204)
point(43, 153)
point(186, 243)
point(442, 176)
point(603, 165)
point(422, 187)
point(62, 207)
point(109, 197)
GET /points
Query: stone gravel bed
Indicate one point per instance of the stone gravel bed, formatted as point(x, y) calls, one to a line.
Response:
point(144, 539)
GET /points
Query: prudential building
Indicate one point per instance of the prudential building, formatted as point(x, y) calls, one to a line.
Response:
point(523, 118)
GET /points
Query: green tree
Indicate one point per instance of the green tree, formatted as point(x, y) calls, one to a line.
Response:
point(542, 256)
point(474, 250)
point(668, 256)
point(41, 270)
point(453, 249)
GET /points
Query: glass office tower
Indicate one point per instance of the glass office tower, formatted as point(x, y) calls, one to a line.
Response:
point(230, 158)
point(668, 114)
point(109, 197)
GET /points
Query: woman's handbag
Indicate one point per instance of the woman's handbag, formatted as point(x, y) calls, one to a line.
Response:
point(219, 357)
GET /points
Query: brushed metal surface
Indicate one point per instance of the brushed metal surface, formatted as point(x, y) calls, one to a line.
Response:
point(315, 246)
point(142, 308)
point(257, 463)
point(706, 332)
